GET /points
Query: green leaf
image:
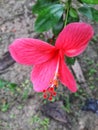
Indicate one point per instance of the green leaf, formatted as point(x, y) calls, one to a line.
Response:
point(89, 12)
point(2, 83)
point(72, 19)
point(12, 86)
point(73, 12)
point(70, 61)
point(25, 94)
point(48, 17)
point(41, 4)
point(58, 27)
point(90, 1)
point(4, 107)
point(72, 16)
point(80, 1)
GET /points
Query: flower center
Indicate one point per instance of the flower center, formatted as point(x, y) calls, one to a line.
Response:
point(50, 92)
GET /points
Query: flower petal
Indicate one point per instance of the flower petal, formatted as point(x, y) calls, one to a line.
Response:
point(66, 77)
point(31, 51)
point(43, 73)
point(74, 38)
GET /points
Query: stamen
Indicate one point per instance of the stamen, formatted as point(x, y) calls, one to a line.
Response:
point(50, 92)
point(55, 82)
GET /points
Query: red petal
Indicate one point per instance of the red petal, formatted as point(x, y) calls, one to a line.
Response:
point(66, 77)
point(43, 73)
point(74, 38)
point(31, 51)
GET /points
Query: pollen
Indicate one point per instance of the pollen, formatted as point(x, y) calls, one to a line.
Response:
point(55, 82)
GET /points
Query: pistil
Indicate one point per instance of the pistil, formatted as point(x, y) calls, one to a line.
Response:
point(50, 92)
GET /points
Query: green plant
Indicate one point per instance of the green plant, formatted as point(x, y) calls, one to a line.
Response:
point(92, 71)
point(52, 13)
point(67, 104)
point(7, 85)
point(42, 123)
point(26, 89)
point(4, 107)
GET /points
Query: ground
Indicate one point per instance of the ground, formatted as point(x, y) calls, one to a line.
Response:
point(19, 104)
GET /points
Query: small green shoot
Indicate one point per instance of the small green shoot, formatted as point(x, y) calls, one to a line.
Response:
point(68, 105)
point(43, 123)
point(12, 116)
point(4, 107)
point(2, 83)
point(26, 89)
point(25, 94)
point(91, 72)
point(92, 87)
point(7, 85)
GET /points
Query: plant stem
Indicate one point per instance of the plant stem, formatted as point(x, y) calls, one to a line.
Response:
point(67, 12)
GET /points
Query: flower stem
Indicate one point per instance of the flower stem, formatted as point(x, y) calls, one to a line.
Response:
point(67, 11)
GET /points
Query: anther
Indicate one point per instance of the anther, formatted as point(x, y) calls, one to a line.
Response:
point(55, 82)
point(57, 75)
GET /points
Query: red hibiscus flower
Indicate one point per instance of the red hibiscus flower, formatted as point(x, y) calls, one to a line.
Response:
point(48, 61)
